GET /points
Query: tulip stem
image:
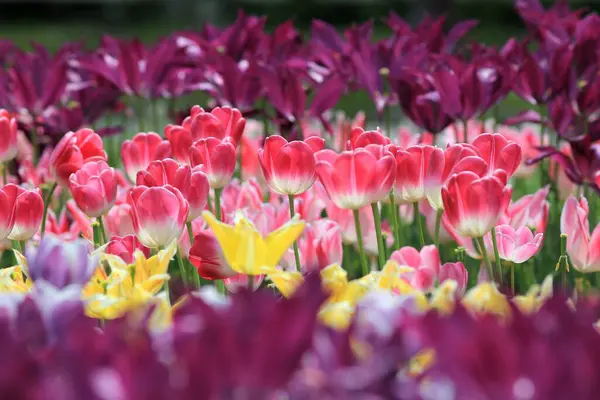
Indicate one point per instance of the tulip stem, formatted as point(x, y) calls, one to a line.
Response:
point(512, 279)
point(102, 230)
point(563, 261)
point(419, 223)
point(46, 205)
point(218, 203)
point(380, 246)
point(486, 259)
point(395, 222)
point(182, 268)
point(438, 225)
point(296, 251)
point(190, 232)
point(97, 234)
point(361, 245)
point(4, 173)
point(465, 131)
point(497, 255)
point(17, 246)
point(220, 285)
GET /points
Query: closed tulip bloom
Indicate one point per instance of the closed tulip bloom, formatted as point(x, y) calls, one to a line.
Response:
point(361, 138)
point(159, 214)
point(474, 204)
point(206, 255)
point(289, 168)
point(218, 160)
point(424, 265)
point(499, 153)
point(457, 158)
point(515, 245)
point(583, 248)
point(94, 188)
point(418, 172)
point(61, 263)
point(354, 179)
point(455, 272)
point(166, 172)
point(74, 150)
point(125, 247)
point(8, 203)
point(29, 212)
point(8, 137)
point(138, 152)
point(118, 220)
point(197, 195)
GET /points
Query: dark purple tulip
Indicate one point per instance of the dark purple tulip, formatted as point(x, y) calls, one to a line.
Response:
point(36, 80)
point(61, 264)
point(257, 338)
point(133, 68)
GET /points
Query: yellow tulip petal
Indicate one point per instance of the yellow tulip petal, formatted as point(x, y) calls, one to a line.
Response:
point(443, 298)
point(226, 235)
point(334, 278)
point(485, 298)
point(285, 281)
point(337, 315)
point(278, 241)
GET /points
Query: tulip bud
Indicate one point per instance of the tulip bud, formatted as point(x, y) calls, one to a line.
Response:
point(29, 212)
point(73, 151)
point(456, 272)
point(218, 159)
point(124, 247)
point(159, 214)
point(138, 152)
point(8, 203)
point(8, 137)
point(94, 188)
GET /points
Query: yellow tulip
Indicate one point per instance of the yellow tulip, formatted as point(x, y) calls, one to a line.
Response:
point(244, 247)
point(285, 281)
point(443, 298)
point(485, 298)
point(535, 297)
point(12, 280)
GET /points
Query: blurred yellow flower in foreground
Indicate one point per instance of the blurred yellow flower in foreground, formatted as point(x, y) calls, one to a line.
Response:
point(244, 247)
point(485, 298)
point(535, 298)
point(127, 286)
point(12, 280)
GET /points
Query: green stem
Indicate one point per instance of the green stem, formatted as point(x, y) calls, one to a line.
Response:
point(182, 268)
point(563, 261)
point(395, 222)
point(155, 123)
point(497, 255)
point(419, 222)
point(17, 246)
point(97, 234)
point(438, 224)
point(190, 232)
point(465, 131)
point(218, 203)
point(292, 213)
point(102, 231)
point(380, 246)
point(220, 285)
point(47, 201)
point(361, 245)
point(486, 259)
point(4, 173)
point(512, 279)
point(388, 121)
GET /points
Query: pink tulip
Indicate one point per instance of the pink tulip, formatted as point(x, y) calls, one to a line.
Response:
point(529, 211)
point(206, 255)
point(159, 214)
point(516, 246)
point(125, 247)
point(218, 160)
point(320, 245)
point(138, 152)
point(8, 137)
point(8, 203)
point(498, 153)
point(94, 188)
point(29, 213)
point(583, 248)
point(456, 272)
point(425, 265)
point(418, 173)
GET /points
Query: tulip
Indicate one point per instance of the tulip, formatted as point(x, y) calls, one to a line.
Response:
point(8, 137)
point(598, 179)
point(8, 203)
point(457, 273)
point(221, 123)
point(217, 158)
point(197, 196)
point(73, 151)
point(354, 179)
point(515, 245)
point(361, 138)
point(289, 168)
point(166, 172)
point(138, 152)
point(29, 210)
point(498, 153)
point(125, 247)
point(118, 220)
point(583, 249)
point(529, 211)
point(94, 188)
point(206, 255)
point(245, 249)
point(61, 263)
point(418, 171)
point(474, 204)
point(159, 214)
point(424, 265)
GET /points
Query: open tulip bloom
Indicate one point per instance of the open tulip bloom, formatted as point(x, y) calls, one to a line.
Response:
point(265, 246)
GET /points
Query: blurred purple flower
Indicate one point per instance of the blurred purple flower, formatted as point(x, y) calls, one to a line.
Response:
point(61, 264)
